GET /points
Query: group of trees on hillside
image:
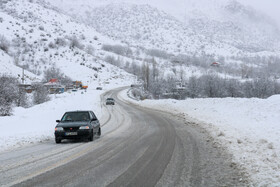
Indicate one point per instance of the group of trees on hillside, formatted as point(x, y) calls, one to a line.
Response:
point(262, 85)
point(54, 72)
point(210, 86)
point(118, 49)
point(12, 94)
point(214, 86)
point(246, 67)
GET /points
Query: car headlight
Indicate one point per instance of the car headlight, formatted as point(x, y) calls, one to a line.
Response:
point(84, 127)
point(58, 129)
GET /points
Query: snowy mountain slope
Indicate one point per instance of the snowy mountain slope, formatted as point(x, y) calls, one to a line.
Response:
point(7, 67)
point(223, 27)
point(40, 37)
point(240, 26)
point(177, 8)
point(35, 37)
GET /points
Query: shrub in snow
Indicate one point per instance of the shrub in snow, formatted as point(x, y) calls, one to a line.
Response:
point(51, 45)
point(137, 93)
point(90, 49)
point(270, 146)
point(74, 42)
point(40, 94)
point(9, 93)
point(5, 108)
point(82, 37)
point(41, 28)
point(21, 98)
point(4, 44)
point(60, 42)
point(112, 60)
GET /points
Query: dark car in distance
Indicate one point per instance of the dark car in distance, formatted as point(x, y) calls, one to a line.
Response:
point(77, 125)
point(98, 88)
point(110, 101)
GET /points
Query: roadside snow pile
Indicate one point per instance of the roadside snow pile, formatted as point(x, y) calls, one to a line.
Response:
point(37, 123)
point(249, 128)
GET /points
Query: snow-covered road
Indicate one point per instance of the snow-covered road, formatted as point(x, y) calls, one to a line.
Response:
point(248, 128)
point(138, 147)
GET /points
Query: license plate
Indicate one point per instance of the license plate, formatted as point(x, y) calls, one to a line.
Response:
point(71, 133)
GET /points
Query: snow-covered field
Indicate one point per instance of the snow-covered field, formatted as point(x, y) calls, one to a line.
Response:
point(248, 128)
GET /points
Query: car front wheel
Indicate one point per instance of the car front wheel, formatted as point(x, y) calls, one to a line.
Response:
point(57, 140)
point(91, 136)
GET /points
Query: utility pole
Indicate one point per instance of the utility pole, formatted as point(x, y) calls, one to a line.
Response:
point(22, 76)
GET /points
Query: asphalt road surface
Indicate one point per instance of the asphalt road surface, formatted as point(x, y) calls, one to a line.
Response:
point(138, 147)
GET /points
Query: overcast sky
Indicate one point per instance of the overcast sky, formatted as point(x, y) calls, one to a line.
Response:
point(270, 7)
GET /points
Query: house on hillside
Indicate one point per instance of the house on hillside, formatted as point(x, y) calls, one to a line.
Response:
point(26, 87)
point(54, 86)
point(215, 64)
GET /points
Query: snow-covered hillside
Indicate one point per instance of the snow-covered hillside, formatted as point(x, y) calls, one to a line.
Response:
point(37, 36)
point(8, 67)
point(221, 27)
point(40, 35)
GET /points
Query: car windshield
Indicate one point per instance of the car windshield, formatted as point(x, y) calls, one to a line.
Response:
point(75, 116)
point(110, 99)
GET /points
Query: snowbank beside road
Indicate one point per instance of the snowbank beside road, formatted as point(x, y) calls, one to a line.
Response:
point(248, 128)
point(37, 123)
point(32, 125)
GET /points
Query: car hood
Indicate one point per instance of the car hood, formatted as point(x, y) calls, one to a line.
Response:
point(73, 124)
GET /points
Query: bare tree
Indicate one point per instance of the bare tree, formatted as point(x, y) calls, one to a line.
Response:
point(193, 87)
point(146, 75)
point(55, 73)
point(8, 94)
point(40, 94)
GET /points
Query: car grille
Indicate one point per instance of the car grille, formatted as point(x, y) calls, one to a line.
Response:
point(70, 129)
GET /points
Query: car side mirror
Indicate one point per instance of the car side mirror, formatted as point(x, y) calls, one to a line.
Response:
point(58, 121)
